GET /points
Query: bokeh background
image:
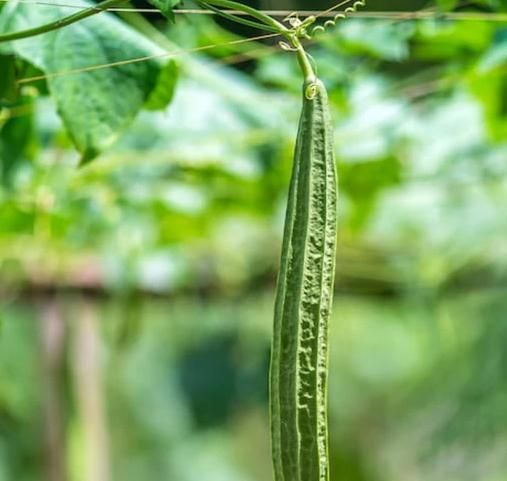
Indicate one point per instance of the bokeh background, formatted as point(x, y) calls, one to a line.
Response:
point(137, 291)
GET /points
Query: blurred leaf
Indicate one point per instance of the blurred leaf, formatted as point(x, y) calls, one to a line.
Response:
point(496, 56)
point(16, 139)
point(8, 89)
point(363, 182)
point(447, 5)
point(456, 42)
point(162, 95)
point(383, 40)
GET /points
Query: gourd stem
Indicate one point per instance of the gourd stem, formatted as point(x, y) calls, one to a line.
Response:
point(62, 22)
point(265, 19)
point(304, 60)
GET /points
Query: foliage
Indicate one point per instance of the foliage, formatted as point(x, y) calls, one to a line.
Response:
point(92, 116)
point(431, 142)
point(189, 198)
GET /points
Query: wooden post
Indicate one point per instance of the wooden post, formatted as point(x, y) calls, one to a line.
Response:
point(89, 393)
point(52, 353)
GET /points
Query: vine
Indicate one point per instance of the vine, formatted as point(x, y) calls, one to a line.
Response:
point(339, 16)
point(63, 22)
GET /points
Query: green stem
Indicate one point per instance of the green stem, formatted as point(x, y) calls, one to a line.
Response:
point(257, 25)
point(267, 22)
point(62, 22)
point(263, 18)
point(304, 61)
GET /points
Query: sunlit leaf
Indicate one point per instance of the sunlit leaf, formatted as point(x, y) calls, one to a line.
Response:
point(97, 104)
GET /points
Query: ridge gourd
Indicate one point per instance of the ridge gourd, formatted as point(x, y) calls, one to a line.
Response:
point(299, 359)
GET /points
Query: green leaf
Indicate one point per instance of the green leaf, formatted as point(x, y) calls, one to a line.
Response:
point(388, 41)
point(16, 139)
point(496, 56)
point(163, 93)
point(8, 90)
point(447, 5)
point(96, 105)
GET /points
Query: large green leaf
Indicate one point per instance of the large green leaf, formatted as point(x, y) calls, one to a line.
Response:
point(95, 105)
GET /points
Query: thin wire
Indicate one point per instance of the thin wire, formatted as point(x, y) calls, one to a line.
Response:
point(412, 91)
point(459, 16)
point(452, 16)
point(176, 53)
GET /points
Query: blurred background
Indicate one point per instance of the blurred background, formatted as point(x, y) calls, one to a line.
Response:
point(136, 292)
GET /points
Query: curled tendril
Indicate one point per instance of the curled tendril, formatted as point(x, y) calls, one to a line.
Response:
point(312, 90)
point(287, 47)
point(340, 16)
point(300, 27)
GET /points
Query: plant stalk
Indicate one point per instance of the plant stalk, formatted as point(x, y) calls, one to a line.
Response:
point(233, 18)
point(62, 22)
point(263, 18)
point(304, 60)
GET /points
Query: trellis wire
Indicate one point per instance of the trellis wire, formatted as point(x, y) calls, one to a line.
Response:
point(171, 54)
point(395, 15)
point(161, 55)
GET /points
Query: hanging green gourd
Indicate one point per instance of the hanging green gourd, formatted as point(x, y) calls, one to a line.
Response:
point(299, 362)
point(304, 294)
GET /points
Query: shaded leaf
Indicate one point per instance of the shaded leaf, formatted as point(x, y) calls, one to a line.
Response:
point(381, 40)
point(163, 93)
point(447, 5)
point(16, 139)
point(497, 55)
point(8, 90)
point(98, 104)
